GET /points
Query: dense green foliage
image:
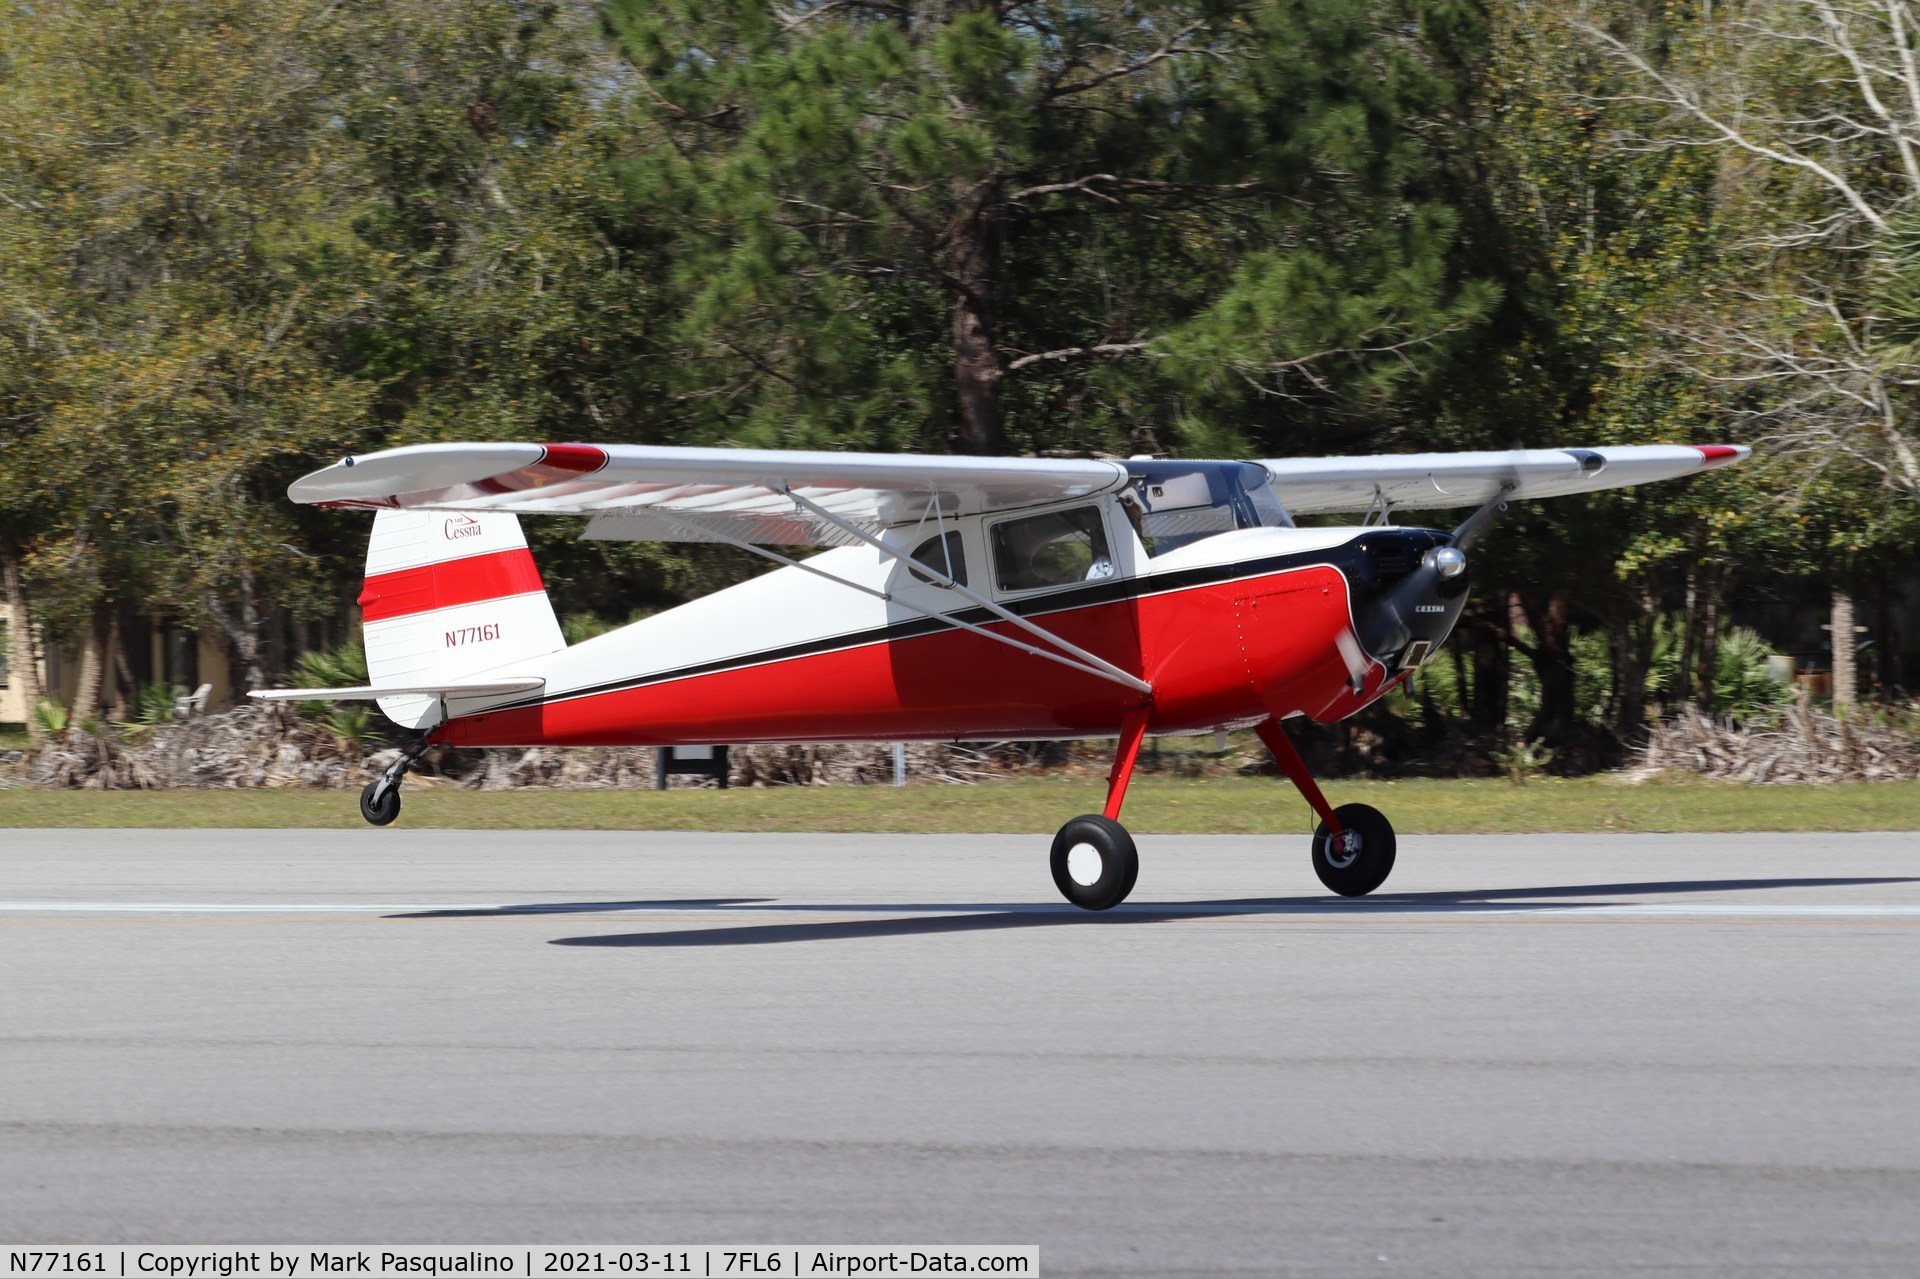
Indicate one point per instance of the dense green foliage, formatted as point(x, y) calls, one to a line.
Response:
point(239, 239)
point(1040, 226)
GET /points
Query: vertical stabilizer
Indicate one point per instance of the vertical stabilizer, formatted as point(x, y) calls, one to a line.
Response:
point(450, 597)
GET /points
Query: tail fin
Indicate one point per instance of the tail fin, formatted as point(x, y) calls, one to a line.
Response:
point(449, 597)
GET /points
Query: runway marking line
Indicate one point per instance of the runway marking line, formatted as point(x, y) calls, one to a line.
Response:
point(1174, 912)
point(1704, 913)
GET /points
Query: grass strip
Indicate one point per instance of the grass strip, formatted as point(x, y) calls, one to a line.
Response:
point(1155, 805)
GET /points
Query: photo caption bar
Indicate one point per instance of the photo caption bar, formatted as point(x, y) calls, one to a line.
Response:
point(233, 1261)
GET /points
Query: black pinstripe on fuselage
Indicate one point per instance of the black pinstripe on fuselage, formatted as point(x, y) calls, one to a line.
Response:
point(1354, 560)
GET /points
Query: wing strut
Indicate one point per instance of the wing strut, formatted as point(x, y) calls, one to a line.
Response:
point(1095, 669)
point(1090, 663)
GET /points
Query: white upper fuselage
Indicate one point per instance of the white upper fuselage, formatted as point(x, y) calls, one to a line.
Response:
point(789, 607)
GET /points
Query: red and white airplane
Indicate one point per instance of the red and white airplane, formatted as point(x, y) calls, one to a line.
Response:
point(963, 599)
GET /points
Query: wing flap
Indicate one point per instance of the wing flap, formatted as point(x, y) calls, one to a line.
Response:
point(654, 524)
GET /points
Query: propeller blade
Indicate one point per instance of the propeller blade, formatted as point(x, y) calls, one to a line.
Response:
point(1424, 603)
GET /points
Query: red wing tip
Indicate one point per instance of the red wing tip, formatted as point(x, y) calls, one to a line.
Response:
point(580, 459)
point(1713, 455)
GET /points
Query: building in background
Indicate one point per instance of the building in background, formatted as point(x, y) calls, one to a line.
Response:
point(152, 651)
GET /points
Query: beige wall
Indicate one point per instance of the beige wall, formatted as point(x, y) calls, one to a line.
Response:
point(13, 701)
point(60, 671)
point(210, 661)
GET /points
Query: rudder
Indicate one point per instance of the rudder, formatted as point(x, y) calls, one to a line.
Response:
point(449, 596)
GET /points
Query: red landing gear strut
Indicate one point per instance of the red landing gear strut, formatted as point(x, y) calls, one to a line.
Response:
point(1094, 861)
point(1133, 730)
point(1353, 848)
point(1274, 734)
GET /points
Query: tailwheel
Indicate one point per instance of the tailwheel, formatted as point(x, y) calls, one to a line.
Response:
point(1094, 862)
point(1358, 859)
point(380, 802)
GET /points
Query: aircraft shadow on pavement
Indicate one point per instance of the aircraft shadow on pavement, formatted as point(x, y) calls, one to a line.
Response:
point(953, 917)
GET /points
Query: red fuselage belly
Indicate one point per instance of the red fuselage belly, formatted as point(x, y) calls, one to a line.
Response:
point(1214, 653)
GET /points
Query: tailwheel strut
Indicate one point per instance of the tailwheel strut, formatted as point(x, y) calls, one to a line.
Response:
point(1094, 860)
point(380, 798)
point(1353, 847)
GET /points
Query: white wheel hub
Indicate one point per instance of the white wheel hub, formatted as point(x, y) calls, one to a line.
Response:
point(1084, 864)
point(1343, 849)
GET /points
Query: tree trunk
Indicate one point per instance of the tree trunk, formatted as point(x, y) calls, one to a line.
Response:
point(253, 669)
point(1888, 642)
point(1631, 663)
point(1706, 670)
point(1490, 658)
point(243, 633)
point(1689, 622)
point(974, 263)
point(1553, 663)
point(95, 655)
point(1846, 686)
point(23, 669)
point(125, 686)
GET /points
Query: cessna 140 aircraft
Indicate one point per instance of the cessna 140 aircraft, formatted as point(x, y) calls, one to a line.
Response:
point(963, 598)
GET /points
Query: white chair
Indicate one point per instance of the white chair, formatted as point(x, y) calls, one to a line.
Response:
point(191, 704)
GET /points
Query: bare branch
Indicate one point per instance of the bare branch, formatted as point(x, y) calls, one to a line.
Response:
point(1841, 42)
point(1169, 49)
point(1684, 100)
point(1089, 186)
point(1069, 352)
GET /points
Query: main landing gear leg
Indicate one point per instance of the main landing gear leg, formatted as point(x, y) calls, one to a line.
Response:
point(380, 799)
point(1094, 861)
point(1353, 847)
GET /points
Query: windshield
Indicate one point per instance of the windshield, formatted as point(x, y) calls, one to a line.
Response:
point(1174, 504)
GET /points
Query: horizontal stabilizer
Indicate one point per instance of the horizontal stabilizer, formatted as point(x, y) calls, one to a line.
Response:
point(369, 693)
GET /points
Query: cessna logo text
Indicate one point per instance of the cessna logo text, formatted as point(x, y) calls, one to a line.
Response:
point(473, 635)
point(1429, 608)
point(461, 526)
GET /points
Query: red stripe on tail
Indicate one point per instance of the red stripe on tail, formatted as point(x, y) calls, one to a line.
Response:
point(466, 581)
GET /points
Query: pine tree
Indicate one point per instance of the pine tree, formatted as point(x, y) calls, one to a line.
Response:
point(893, 223)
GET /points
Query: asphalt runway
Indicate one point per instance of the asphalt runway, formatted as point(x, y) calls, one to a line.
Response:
point(1528, 1055)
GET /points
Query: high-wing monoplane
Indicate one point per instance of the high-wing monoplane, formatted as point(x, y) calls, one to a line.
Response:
point(959, 598)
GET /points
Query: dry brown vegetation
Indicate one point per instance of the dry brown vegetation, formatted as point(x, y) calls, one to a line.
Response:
point(1807, 744)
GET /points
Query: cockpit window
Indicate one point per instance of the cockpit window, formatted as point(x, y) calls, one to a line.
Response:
point(945, 555)
point(1051, 549)
point(1174, 504)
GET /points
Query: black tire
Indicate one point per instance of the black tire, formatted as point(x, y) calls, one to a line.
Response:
point(1355, 871)
point(382, 813)
point(1118, 862)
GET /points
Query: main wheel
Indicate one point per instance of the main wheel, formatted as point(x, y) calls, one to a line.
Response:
point(382, 811)
point(1094, 862)
point(1359, 860)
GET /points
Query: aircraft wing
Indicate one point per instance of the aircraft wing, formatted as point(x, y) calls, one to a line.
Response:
point(1435, 481)
point(644, 493)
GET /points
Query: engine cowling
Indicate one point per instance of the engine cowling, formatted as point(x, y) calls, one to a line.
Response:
point(1409, 592)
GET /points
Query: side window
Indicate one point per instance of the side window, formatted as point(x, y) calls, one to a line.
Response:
point(943, 555)
point(1051, 550)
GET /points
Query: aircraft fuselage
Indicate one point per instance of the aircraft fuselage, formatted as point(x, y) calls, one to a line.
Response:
point(1228, 629)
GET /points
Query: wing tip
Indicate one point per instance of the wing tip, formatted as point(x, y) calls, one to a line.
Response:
point(1716, 455)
